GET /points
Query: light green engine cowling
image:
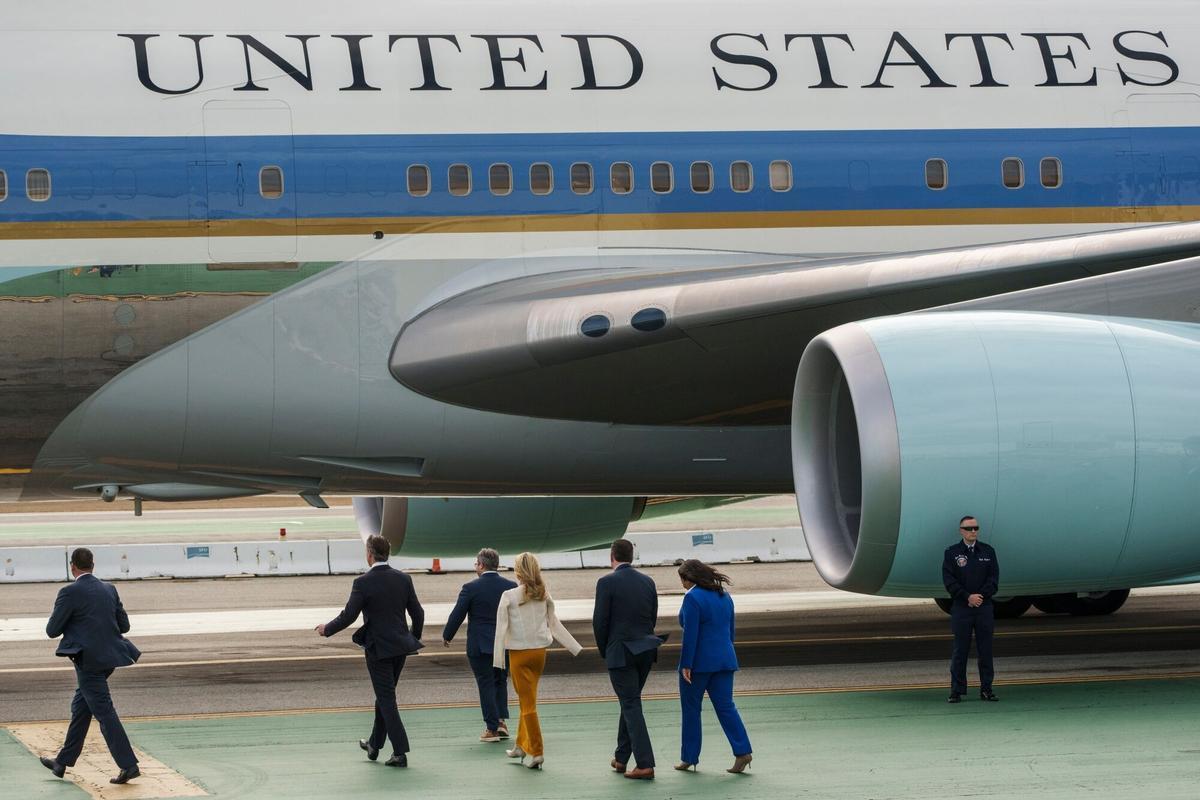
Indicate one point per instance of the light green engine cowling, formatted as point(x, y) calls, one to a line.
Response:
point(1075, 440)
point(460, 526)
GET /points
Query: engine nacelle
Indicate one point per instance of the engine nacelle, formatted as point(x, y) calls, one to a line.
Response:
point(460, 526)
point(1075, 441)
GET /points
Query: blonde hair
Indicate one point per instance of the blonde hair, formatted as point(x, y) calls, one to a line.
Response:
point(529, 574)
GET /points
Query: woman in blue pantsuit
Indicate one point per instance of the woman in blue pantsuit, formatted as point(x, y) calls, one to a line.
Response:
point(708, 662)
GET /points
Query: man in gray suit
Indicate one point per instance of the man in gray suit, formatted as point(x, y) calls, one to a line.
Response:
point(90, 618)
point(623, 624)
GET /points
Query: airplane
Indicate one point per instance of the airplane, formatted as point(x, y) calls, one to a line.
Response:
point(516, 275)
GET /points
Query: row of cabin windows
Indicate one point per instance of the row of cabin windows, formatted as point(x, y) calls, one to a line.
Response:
point(1012, 173)
point(701, 178)
point(582, 179)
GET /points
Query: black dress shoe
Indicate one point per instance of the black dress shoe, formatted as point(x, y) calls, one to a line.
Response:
point(126, 775)
point(954, 698)
point(989, 695)
point(397, 760)
point(372, 752)
point(58, 769)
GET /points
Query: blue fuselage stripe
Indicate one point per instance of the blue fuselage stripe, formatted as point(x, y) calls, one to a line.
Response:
point(352, 176)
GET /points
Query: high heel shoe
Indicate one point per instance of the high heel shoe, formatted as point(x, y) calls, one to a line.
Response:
point(741, 763)
point(516, 752)
point(684, 766)
point(536, 762)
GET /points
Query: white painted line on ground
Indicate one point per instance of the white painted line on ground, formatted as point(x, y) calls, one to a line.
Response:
point(190, 623)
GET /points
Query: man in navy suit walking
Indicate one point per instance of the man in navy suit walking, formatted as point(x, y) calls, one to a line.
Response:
point(477, 604)
point(91, 620)
point(623, 624)
point(382, 595)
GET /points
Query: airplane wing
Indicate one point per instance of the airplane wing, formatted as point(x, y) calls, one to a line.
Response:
point(721, 346)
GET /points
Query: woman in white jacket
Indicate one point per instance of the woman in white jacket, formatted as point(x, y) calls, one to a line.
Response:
point(525, 626)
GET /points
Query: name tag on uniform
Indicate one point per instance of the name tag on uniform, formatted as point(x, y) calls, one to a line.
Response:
point(984, 558)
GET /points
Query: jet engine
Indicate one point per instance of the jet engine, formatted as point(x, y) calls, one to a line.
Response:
point(1075, 441)
point(460, 526)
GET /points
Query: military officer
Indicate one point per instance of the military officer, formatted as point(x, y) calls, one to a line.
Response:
point(971, 575)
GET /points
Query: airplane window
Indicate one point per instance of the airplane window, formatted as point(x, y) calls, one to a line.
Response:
point(741, 176)
point(581, 178)
point(649, 319)
point(3, 186)
point(702, 177)
point(662, 179)
point(500, 179)
point(460, 180)
point(270, 183)
point(781, 176)
point(1012, 172)
point(937, 174)
point(418, 180)
point(595, 326)
point(541, 178)
point(37, 185)
point(1051, 169)
point(620, 177)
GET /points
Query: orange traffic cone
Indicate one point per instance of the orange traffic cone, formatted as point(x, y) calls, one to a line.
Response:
point(437, 567)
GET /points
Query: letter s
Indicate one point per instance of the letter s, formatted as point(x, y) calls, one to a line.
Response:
point(1142, 55)
point(750, 61)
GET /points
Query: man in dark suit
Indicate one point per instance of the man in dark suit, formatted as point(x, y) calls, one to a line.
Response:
point(623, 624)
point(90, 618)
point(971, 575)
point(477, 603)
point(382, 595)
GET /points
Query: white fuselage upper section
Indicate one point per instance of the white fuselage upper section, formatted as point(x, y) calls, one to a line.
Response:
point(73, 64)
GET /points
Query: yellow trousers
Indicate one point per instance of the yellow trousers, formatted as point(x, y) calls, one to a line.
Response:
point(526, 667)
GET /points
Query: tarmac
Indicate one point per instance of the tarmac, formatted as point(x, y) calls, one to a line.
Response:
point(843, 696)
point(1096, 739)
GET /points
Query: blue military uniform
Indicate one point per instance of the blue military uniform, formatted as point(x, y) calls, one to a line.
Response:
point(967, 571)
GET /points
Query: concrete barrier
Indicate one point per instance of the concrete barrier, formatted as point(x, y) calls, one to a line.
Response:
point(345, 556)
point(720, 547)
point(33, 564)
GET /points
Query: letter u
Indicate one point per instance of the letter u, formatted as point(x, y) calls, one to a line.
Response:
point(143, 60)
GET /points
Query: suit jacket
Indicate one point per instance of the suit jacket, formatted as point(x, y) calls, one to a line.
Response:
point(625, 614)
point(477, 603)
point(965, 573)
point(382, 595)
point(708, 631)
point(90, 618)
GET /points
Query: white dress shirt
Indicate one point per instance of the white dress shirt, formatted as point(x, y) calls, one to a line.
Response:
point(528, 625)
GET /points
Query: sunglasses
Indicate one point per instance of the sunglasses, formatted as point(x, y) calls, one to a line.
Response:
point(968, 527)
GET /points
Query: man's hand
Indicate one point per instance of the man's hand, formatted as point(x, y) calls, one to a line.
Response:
point(975, 600)
point(320, 629)
point(445, 643)
point(687, 674)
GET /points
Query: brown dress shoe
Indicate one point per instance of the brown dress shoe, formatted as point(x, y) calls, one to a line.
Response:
point(489, 736)
point(502, 729)
point(641, 774)
point(617, 766)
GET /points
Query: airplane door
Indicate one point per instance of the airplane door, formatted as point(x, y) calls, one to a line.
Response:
point(1160, 172)
point(250, 171)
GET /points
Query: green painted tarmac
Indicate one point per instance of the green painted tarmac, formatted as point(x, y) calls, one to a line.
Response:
point(1096, 740)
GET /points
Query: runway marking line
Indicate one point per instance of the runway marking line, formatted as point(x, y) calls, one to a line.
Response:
point(95, 766)
point(896, 687)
